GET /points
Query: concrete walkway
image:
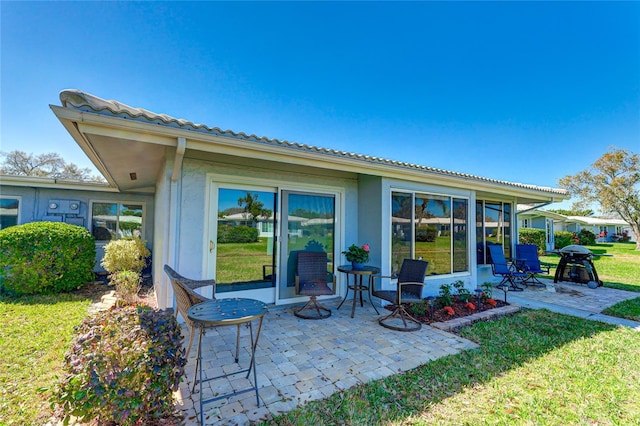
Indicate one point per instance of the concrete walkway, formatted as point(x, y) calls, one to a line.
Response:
point(574, 299)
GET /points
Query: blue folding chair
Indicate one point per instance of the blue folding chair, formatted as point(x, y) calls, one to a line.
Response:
point(528, 262)
point(507, 270)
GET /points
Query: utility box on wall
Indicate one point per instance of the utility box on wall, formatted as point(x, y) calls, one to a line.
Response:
point(63, 207)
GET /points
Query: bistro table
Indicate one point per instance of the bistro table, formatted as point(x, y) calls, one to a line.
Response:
point(358, 286)
point(221, 312)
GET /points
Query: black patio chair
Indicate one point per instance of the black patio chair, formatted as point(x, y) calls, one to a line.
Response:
point(529, 262)
point(408, 290)
point(312, 279)
point(505, 269)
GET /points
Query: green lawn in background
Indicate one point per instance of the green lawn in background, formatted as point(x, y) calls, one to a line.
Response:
point(35, 333)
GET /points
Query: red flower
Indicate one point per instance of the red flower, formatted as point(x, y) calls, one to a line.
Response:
point(470, 306)
point(449, 310)
point(492, 302)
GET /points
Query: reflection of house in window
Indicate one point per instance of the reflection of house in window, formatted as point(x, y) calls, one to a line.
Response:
point(116, 220)
point(9, 207)
point(493, 226)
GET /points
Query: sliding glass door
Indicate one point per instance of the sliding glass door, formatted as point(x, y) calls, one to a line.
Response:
point(308, 224)
point(245, 239)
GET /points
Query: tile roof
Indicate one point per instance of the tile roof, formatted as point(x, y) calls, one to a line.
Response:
point(76, 99)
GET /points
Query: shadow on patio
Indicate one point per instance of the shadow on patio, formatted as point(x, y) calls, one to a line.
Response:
point(304, 360)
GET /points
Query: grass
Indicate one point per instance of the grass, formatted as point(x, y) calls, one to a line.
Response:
point(35, 332)
point(536, 367)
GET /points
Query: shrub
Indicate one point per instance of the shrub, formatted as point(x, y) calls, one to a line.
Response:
point(445, 297)
point(127, 254)
point(122, 367)
point(563, 239)
point(586, 237)
point(46, 257)
point(533, 236)
point(127, 285)
point(461, 291)
point(237, 234)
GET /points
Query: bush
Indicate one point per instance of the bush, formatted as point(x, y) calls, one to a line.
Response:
point(563, 239)
point(122, 367)
point(237, 234)
point(127, 254)
point(46, 257)
point(533, 236)
point(586, 237)
point(127, 284)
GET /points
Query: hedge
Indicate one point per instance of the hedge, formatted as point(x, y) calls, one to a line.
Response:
point(46, 257)
point(533, 236)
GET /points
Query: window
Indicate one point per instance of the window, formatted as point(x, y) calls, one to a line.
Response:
point(9, 209)
point(431, 227)
point(525, 223)
point(493, 226)
point(112, 220)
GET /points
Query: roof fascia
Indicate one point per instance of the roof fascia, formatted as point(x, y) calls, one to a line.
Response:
point(42, 182)
point(105, 125)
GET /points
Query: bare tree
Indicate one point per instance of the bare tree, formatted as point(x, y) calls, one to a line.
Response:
point(19, 163)
point(613, 182)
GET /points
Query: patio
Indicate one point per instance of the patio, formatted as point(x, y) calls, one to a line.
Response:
point(303, 360)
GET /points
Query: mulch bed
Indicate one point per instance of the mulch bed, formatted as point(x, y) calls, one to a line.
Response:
point(459, 308)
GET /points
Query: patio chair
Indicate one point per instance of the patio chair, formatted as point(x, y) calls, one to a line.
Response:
point(505, 269)
point(312, 280)
point(528, 262)
point(186, 297)
point(408, 290)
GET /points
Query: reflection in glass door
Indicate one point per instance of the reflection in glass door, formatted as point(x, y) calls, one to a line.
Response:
point(245, 239)
point(308, 224)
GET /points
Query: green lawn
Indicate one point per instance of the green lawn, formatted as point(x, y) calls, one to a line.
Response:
point(35, 332)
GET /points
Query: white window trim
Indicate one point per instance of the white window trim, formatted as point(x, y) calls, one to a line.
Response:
point(144, 215)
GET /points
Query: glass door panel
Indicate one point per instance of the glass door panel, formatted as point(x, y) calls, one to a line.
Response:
point(308, 224)
point(245, 239)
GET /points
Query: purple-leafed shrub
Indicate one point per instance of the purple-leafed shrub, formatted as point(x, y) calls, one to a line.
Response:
point(123, 365)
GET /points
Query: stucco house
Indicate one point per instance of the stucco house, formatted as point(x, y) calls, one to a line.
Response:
point(101, 208)
point(183, 181)
point(605, 229)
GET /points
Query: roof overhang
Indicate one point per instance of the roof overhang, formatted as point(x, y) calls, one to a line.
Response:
point(43, 182)
point(121, 146)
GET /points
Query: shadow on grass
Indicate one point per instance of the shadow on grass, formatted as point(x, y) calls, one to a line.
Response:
point(504, 344)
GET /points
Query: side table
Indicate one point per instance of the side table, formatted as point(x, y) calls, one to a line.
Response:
point(358, 286)
point(222, 312)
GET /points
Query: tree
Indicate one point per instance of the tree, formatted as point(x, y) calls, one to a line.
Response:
point(613, 182)
point(52, 165)
point(253, 208)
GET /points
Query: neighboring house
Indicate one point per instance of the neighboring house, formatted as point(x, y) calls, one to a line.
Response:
point(104, 211)
point(539, 219)
point(606, 230)
point(321, 199)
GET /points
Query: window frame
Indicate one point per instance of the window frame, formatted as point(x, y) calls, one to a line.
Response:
point(119, 203)
point(507, 250)
point(19, 213)
point(452, 198)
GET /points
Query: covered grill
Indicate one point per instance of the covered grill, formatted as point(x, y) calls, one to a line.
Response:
point(576, 265)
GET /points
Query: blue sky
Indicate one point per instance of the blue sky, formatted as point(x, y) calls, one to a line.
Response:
point(525, 92)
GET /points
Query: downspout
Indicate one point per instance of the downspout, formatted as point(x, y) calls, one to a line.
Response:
point(173, 234)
